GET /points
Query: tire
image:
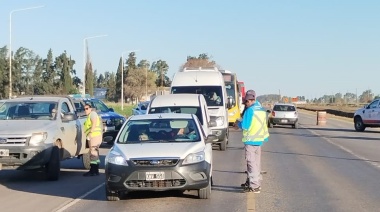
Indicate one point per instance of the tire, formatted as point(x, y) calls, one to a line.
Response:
point(223, 144)
point(359, 125)
point(53, 167)
point(270, 125)
point(295, 126)
point(205, 193)
point(86, 161)
point(112, 195)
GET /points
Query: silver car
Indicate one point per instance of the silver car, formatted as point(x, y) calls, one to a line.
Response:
point(283, 114)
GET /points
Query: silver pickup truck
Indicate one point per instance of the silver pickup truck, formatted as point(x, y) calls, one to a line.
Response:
point(39, 132)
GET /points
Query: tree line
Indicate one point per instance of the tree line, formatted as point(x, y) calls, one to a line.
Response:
point(35, 75)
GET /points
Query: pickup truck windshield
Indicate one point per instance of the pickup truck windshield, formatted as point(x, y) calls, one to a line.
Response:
point(28, 110)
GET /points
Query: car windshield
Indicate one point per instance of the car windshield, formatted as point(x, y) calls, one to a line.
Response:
point(212, 94)
point(179, 109)
point(159, 130)
point(28, 110)
point(99, 105)
point(284, 108)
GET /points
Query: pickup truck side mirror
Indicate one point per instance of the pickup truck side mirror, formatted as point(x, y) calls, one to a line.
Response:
point(111, 110)
point(69, 117)
point(211, 138)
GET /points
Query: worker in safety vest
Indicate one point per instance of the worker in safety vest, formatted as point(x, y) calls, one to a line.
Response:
point(93, 128)
point(255, 133)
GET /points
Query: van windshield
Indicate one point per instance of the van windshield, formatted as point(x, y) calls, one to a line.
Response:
point(178, 109)
point(212, 94)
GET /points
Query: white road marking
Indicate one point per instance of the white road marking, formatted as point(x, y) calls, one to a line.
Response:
point(375, 164)
point(74, 201)
point(251, 202)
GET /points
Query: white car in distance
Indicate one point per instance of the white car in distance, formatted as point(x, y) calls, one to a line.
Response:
point(140, 108)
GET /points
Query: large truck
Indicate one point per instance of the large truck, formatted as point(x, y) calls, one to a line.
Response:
point(210, 83)
point(233, 96)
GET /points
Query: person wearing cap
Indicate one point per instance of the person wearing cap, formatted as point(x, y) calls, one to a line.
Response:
point(255, 133)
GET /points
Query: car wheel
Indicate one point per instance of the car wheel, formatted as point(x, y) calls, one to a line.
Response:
point(53, 167)
point(223, 144)
point(112, 195)
point(359, 125)
point(270, 125)
point(86, 161)
point(205, 193)
point(295, 126)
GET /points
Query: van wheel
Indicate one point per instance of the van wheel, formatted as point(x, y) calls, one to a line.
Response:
point(223, 144)
point(86, 161)
point(53, 167)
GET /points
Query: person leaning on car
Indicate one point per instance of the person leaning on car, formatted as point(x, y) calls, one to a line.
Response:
point(255, 133)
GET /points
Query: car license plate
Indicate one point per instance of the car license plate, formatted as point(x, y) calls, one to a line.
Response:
point(155, 175)
point(4, 152)
point(284, 121)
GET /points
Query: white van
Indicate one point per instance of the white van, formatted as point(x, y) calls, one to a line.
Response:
point(210, 83)
point(182, 103)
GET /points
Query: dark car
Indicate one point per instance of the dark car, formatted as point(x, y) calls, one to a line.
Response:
point(112, 121)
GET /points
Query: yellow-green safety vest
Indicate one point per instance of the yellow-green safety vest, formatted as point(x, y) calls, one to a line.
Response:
point(258, 131)
point(98, 128)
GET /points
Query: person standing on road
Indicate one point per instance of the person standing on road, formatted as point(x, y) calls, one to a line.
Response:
point(255, 133)
point(94, 135)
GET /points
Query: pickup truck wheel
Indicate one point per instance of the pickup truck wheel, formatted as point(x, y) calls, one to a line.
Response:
point(205, 193)
point(270, 125)
point(54, 165)
point(86, 161)
point(112, 195)
point(359, 125)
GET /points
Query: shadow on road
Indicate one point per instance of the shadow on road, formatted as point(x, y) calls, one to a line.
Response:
point(232, 189)
point(319, 156)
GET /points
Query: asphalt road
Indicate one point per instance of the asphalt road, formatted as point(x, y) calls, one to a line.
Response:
point(313, 168)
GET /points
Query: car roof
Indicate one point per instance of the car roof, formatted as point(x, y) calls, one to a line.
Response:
point(287, 104)
point(37, 98)
point(162, 116)
point(176, 100)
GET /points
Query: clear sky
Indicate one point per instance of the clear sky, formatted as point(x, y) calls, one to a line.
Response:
point(298, 47)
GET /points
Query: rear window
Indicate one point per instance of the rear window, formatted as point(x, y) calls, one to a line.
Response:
point(178, 109)
point(284, 108)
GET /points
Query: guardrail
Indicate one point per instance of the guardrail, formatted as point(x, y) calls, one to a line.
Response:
point(329, 111)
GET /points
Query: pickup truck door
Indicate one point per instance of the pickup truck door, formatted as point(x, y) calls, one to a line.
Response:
point(69, 130)
point(371, 113)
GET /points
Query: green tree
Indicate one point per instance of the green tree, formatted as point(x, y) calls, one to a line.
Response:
point(203, 60)
point(161, 68)
point(111, 94)
point(4, 73)
point(49, 75)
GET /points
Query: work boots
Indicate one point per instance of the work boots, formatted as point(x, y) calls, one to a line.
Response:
point(94, 170)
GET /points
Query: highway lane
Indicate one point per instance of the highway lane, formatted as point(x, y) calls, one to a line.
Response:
point(313, 168)
point(321, 168)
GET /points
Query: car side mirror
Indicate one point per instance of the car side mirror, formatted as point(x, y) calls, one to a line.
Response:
point(211, 138)
point(111, 110)
point(69, 117)
point(107, 139)
point(229, 103)
point(212, 124)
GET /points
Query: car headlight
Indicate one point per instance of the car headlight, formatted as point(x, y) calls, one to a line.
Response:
point(194, 158)
point(108, 122)
point(38, 138)
point(116, 158)
point(219, 121)
point(232, 113)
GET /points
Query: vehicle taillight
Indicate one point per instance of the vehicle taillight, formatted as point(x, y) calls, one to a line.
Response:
point(273, 113)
